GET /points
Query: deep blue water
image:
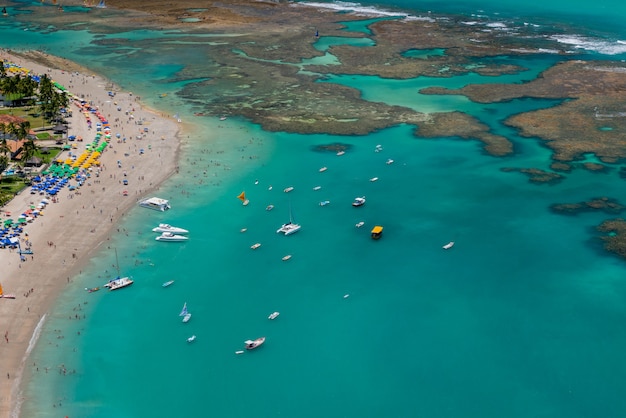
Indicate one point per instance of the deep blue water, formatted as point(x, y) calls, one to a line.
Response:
point(522, 317)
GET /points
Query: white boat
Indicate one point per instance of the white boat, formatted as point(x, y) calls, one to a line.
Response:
point(360, 224)
point(155, 203)
point(316, 188)
point(288, 189)
point(324, 202)
point(255, 246)
point(243, 229)
point(185, 313)
point(287, 257)
point(389, 161)
point(289, 227)
point(323, 169)
point(168, 236)
point(252, 344)
point(378, 148)
point(269, 207)
point(191, 339)
point(374, 179)
point(340, 153)
point(358, 201)
point(448, 245)
point(169, 228)
point(119, 282)
point(273, 315)
point(167, 283)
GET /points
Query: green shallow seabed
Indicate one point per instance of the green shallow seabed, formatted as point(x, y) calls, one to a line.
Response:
point(522, 317)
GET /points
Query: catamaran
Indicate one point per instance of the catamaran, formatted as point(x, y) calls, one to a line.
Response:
point(290, 227)
point(185, 313)
point(118, 282)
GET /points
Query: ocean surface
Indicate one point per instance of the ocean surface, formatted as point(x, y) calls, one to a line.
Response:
point(523, 317)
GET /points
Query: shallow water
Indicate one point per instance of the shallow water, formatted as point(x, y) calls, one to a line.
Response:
point(522, 317)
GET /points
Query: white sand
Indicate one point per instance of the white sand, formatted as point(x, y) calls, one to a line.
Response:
point(76, 225)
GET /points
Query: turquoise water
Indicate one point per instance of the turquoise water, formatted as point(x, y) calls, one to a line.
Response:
point(522, 317)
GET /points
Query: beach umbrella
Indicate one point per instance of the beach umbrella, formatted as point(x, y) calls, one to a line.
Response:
point(8, 222)
point(22, 220)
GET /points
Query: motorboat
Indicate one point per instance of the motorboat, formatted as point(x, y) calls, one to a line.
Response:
point(378, 148)
point(119, 283)
point(255, 246)
point(373, 179)
point(377, 232)
point(167, 283)
point(340, 153)
point(316, 188)
point(359, 201)
point(389, 161)
point(324, 202)
point(171, 237)
point(252, 344)
point(191, 339)
point(243, 230)
point(239, 352)
point(273, 315)
point(323, 169)
point(287, 257)
point(169, 228)
point(155, 203)
point(359, 224)
point(448, 245)
point(269, 207)
point(288, 189)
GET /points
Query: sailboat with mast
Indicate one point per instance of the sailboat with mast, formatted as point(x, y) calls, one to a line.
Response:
point(290, 227)
point(185, 313)
point(118, 282)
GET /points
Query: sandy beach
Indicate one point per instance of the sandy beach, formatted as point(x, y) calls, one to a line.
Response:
point(71, 230)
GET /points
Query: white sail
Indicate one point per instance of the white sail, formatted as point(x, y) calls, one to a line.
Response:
point(184, 311)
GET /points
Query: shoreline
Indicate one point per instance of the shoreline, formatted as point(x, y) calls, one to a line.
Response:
point(82, 220)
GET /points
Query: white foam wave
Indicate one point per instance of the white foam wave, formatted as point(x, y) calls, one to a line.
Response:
point(35, 336)
point(358, 9)
point(17, 407)
point(601, 46)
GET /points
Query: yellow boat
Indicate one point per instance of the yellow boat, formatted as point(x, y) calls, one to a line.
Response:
point(377, 232)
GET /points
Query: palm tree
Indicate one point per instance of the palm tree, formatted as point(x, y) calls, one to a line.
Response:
point(28, 151)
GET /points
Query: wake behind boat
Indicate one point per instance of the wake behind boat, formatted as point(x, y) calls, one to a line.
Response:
point(169, 228)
